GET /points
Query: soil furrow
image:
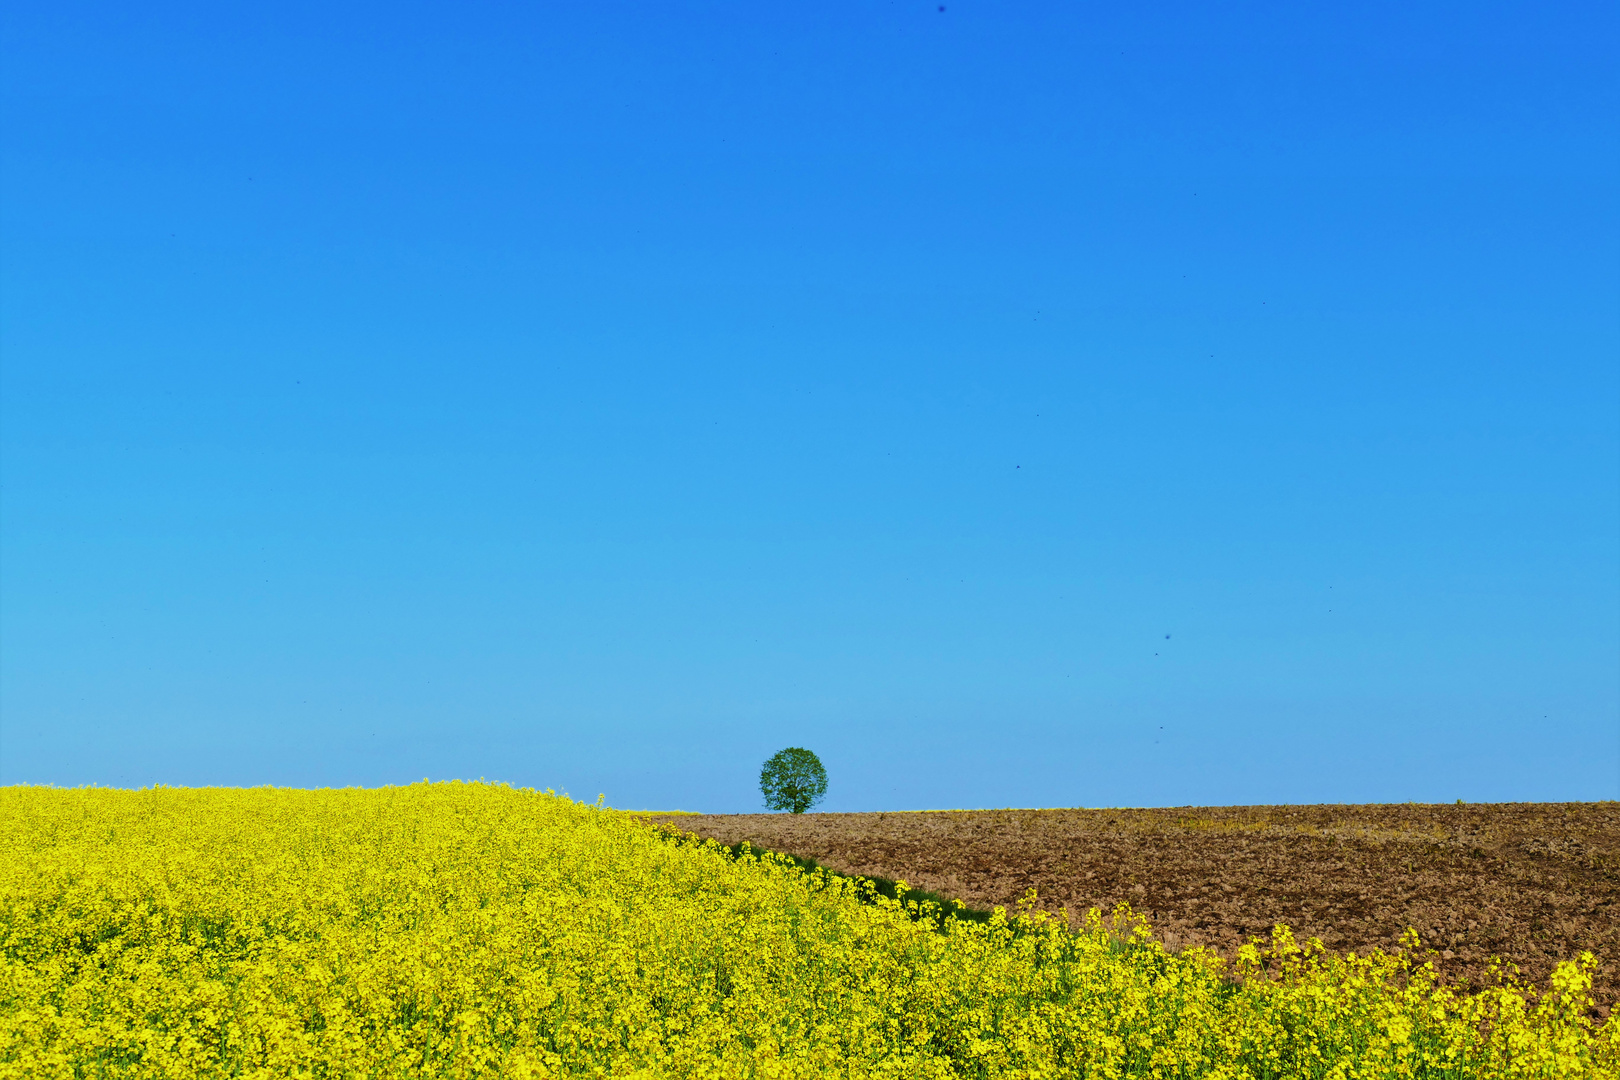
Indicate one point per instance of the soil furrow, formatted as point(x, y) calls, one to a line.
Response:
point(1533, 883)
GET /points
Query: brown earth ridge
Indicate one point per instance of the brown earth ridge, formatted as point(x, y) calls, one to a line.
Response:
point(1532, 883)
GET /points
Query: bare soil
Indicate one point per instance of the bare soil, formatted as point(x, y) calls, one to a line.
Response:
point(1532, 883)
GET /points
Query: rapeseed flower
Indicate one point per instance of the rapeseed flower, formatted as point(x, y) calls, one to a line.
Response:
point(476, 930)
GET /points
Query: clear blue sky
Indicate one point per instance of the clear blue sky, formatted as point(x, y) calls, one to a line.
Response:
point(1017, 404)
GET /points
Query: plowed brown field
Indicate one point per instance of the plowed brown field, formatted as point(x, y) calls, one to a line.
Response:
point(1533, 883)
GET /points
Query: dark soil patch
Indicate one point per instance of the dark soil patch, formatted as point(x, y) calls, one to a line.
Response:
point(1533, 883)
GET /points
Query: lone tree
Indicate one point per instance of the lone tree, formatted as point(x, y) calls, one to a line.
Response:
point(793, 780)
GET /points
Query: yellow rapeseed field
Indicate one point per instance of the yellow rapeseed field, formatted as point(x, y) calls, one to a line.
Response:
point(465, 930)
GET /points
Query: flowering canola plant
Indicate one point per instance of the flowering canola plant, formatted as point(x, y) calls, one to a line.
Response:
point(476, 930)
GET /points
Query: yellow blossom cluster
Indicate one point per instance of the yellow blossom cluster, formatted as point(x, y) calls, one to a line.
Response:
point(476, 930)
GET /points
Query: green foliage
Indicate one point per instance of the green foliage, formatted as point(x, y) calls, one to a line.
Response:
point(919, 904)
point(793, 780)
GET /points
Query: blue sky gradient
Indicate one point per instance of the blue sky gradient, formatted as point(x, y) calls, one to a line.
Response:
point(1024, 405)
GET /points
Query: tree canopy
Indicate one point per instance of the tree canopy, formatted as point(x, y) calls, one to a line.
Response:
point(793, 780)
